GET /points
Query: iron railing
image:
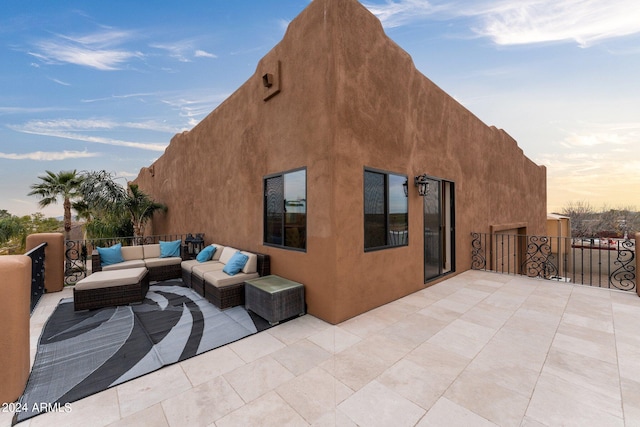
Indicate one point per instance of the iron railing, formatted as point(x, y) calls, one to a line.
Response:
point(37, 273)
point(78, 252)
point(606, 263)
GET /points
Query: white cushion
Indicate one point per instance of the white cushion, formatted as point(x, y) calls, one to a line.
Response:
point(200, 270)
point(134, 263)
point(189, 264)
point(130, 253)
point(252, 263)
point(107, 279)
point(220, 279)
point(218, 252)
point(227, 253)
point(152, 251)
point(158, 262)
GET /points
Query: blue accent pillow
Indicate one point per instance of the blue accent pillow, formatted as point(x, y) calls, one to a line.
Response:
point(206, 254)
point(170, 249)
point(111, 255)
point(235, 264)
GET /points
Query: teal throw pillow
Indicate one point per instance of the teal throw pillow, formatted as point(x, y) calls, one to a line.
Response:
point(206, 254)
point(235, 264)
point(170, 249)
point(111, 255)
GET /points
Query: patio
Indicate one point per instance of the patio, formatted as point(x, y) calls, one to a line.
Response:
point(479, 349)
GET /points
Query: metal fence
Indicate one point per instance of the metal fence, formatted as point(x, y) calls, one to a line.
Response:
point(606, 263)
point(78, 252)
point(37, 273)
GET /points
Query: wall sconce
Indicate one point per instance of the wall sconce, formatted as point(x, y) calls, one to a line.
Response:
point(422, 182)
point(267, 80)
point(194, 245)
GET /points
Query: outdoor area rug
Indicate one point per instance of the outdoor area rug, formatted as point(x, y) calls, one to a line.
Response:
point(82, 353)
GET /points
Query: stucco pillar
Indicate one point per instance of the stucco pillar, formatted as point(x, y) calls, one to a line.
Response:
point(15, 303)
point(53, 258)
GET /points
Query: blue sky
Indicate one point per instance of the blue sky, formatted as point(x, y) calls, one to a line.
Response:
point(105, 85)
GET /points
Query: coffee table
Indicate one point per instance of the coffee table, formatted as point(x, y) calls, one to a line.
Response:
point(274, 298)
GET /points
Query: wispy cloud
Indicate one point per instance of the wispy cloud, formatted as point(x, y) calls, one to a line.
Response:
point(194, 107)
point(78, 130)
point(27, 110)
point(183, 50)
point(60, 82)
point(509, 22)
point(203, 54)
point(48, 155)
point(100, 50)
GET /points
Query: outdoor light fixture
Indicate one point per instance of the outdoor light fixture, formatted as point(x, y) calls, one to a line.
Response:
point(422, 182)
point(193, 245)
point(198, 243)
point(188, 244)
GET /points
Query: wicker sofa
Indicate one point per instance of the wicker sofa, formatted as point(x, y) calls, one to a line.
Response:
point(209, 279)
point(160, 268)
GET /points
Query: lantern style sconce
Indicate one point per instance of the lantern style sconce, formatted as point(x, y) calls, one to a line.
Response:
point(188, 245)
point(193, 245)
point(198, 243)
point(422, 182)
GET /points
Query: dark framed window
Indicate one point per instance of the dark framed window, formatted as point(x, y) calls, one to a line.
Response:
point(386, 210)
point(285, 209)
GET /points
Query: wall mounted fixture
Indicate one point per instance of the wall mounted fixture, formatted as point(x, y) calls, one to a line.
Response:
point(422, 182)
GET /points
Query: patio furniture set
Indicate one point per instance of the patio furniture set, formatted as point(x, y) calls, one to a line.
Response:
point(222, 274)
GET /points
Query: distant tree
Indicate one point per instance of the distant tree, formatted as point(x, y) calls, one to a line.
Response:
point(14, 230)
point(63, 185)
point(583, 217)
point(586, 221)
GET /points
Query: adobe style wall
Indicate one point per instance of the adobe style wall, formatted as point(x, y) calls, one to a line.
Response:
point(348, 98)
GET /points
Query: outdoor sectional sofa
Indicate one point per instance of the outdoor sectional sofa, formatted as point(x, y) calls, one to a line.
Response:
point(150, 256)
point(210, 278)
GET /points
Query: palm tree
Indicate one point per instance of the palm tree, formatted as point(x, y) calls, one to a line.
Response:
point(64, 184)
point(141, 208)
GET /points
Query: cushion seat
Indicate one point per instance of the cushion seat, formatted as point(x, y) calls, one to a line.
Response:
point(220, 279)
point(157, 262)
point(134, 263)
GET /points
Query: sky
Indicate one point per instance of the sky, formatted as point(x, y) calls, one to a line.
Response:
point(105, 85)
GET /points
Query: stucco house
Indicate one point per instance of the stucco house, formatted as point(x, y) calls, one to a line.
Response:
point(314, 161)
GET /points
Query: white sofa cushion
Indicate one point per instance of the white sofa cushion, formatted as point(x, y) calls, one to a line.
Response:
point(152, 251)
point(200, 270)
point(218, 252)
point(220, 279)
point(134, 263)
point(159, 262)
point(130, 253)
point(189, 264)
point(252, 263)
point(227, 253)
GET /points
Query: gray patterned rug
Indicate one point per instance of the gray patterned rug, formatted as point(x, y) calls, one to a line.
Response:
point(82, 353)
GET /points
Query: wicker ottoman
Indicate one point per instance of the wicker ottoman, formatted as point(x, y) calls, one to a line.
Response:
point(274, 298)
point(109, 288)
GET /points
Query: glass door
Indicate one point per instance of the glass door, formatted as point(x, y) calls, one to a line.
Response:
point(439, 237)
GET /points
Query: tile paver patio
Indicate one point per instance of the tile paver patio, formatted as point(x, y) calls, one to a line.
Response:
point(479, 349)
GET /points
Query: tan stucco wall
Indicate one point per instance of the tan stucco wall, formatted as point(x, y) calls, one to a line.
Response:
point(53, 259)
point(349, 98)
point(15, 271)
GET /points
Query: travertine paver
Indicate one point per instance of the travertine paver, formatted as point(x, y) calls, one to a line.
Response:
point(479, 349)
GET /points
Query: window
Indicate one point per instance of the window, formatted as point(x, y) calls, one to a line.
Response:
point(285, 209)
point(386, 219)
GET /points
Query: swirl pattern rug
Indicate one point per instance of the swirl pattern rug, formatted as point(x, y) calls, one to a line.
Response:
point(85, 352)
